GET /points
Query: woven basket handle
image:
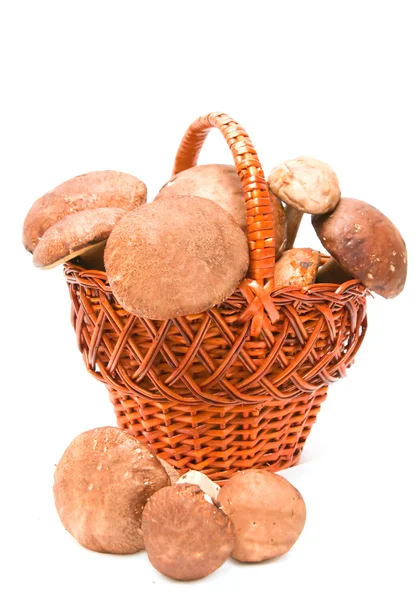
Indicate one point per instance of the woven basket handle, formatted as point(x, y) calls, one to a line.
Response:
point(259, 211)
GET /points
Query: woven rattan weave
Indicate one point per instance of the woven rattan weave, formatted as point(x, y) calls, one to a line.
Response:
point(240, 385)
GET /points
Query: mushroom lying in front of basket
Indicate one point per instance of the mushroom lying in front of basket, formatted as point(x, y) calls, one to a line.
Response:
point(175, 257)
point(305, 185)
point(102, 483)
point(267, 511)
point(365, 243)
point(97, 189)
point(297, 266)
point(222, 184)
point(80, 236)
point(186, 535)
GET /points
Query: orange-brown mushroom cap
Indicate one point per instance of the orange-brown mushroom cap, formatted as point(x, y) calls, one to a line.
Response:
point(75, 235)
point(96, 189)
point(186, 537)
point(297, 266)
point(365, 243)
point(268, 514)
point(176, 257)
point(102, 483)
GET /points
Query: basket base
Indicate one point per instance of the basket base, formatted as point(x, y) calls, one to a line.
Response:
point(221, 440)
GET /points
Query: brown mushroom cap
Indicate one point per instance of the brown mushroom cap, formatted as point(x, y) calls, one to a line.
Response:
point(186, 537)
point(365, 243)
point(268, 514)
point(176, 257)
point(74, 235)
point(297, 266)
point(222, 184)
point(307, 184)
point(172, 473)
point(102, 483)
point(91, 190)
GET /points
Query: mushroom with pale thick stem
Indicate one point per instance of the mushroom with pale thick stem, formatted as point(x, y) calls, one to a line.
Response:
point(222, 184)
point(208, 487)
point(81, 235)
point(297, 266)
point(96, 189)
point(101, 485)
point(366, 244)
point(267, 511)
point(305, 185)
point(176, 257)
point(186, 535)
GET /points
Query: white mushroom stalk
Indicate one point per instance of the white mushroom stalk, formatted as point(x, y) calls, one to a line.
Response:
point(208, 487)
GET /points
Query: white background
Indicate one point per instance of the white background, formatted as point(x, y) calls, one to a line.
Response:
point(113, 85)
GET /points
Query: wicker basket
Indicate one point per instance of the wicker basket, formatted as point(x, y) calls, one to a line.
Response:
point(238, 386)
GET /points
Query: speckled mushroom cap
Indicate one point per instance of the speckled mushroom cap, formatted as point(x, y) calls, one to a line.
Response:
point(222, 184)
point(297, 266)
point(96, 189)
point(268, 514)
point(102, 483)
point(186, 537)
point(176, 257)
point(75, 235)
point(307, 184)
point(365, 243)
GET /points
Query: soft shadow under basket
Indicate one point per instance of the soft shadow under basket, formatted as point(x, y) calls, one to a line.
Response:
point(238, 386)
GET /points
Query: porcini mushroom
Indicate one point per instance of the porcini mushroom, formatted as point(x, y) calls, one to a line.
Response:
point(176, 257)
point(96, 189)
point(297, 266)
point(222, 184)
point(208, 487)
point(305, 185)
point(365, 243)
point(101, 485)
point(186, 537)
point(268, 514)
point(81, 234)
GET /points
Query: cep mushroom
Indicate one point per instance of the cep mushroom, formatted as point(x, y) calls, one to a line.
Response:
point(222, 184)
point(96, 189)
point(101, 485)
point(268, 514)
point(365, 243)
point(305, 185)
point(297, 266)
point(81, 235)
point(208, 487)
point(176, 257)
point(186, 536)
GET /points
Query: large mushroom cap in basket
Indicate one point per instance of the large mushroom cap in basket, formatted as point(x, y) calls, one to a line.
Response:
point(176, 257)
point(222, 184)
point(96, 189)
point(81, 234)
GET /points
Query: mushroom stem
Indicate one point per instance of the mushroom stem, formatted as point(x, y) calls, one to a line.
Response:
point(293, 219)
point(207, 486)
